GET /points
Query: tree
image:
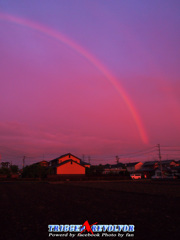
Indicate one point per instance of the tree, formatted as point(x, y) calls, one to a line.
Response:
point(95, 170)
point(5, 164)
point(5, 171)
point(14, 169)
point(36, 171)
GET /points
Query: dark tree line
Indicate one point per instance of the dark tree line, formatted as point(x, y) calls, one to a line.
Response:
point(36, 171)
point(7, 169)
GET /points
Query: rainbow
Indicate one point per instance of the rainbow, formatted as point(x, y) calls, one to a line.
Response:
point(57, 35)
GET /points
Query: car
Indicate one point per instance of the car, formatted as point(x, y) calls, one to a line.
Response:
point(135, 176)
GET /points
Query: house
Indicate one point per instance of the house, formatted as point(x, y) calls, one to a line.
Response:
point(114, 169)
point(43, 163)
point(151, 165)
point(168, 163)
point(148, 169)
point(164, 173)
point(178, 163)
point(176, 171)
point(132, 167)
point(152, 168)
point(68, 164)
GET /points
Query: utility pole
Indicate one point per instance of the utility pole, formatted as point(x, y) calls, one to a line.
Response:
point(159, 150)
point(89, 159)
point(117, 159)
point(24, 161)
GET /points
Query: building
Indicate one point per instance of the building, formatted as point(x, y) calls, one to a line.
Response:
point(151, 165)
point(168, 163)
point(133, 167)
point(68, 164)
point(114, 169)
point(166, 173)
point(152, 168)
point(43, 163)
point(157, 164)
point(178, 163)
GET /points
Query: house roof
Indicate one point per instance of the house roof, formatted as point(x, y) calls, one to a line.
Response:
point(43, 161)
point(118, 165)
point(64, 155)
point(132, 164)
point(150, 163)
point(62, 163)
point(167, 161)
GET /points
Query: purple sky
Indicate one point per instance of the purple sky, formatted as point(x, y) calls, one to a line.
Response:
point(54, 99)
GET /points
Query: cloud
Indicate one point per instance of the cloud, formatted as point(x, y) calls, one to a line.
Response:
point(19, 139)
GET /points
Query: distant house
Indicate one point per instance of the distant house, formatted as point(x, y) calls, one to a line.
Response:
point(148, 169)
point(168, 163)
point(151, 168)
point(157, 164)
point(68, 164)
point(165, 173)
point(151, 165)
point(178, 163)
point(43, 163)
point(132, 167)
point(114, 169)
point(176, 171)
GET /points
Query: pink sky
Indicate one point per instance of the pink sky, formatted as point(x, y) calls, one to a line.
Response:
point(110, 88)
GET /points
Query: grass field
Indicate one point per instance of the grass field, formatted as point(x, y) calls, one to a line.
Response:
point(152, 206)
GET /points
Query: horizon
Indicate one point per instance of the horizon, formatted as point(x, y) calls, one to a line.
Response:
point(147, 155)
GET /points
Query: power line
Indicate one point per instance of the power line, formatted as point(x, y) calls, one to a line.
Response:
point(143, 150)
point(170, 146)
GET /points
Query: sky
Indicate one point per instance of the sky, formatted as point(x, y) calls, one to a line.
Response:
point(94, 78)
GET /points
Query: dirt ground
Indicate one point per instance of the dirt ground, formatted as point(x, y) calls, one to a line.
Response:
point(27, 208)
